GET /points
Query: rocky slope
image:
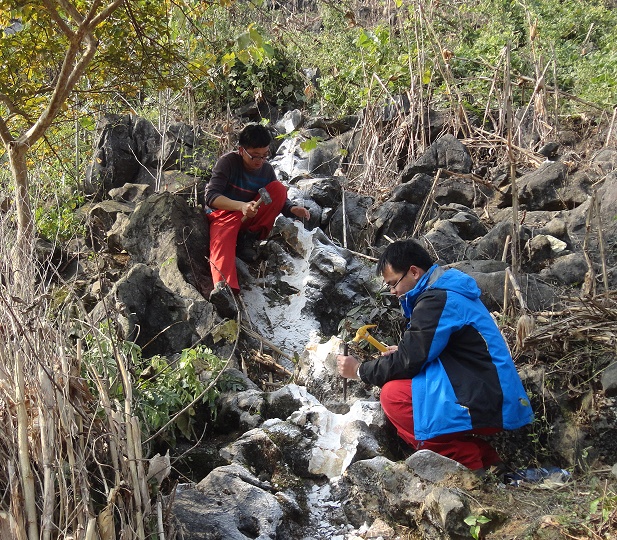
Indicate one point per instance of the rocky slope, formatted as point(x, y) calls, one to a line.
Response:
point(307, 464)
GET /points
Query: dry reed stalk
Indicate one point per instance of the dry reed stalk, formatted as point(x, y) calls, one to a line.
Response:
point(442, 57)
point(132, 439)
point(344, 206)
point(498, 127)
point(506, 284)
point(159, 519)
point(139, 460)
point(45, 408)
point(611, 127)
point(18, 525)
point(428, 201)
point(46, 418)
point(525, 323)
point(589, 284)
point(496, 141)
point(25, 469)
point(516, 239)
point(601, 243)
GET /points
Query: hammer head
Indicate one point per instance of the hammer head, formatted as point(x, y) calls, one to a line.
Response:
point(264, 195)
point(363, 332)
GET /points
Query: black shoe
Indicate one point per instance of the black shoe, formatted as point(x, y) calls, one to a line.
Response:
point(246, 248)
point(222, 300)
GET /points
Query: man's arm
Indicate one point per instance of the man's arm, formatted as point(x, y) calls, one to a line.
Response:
point(418, 345)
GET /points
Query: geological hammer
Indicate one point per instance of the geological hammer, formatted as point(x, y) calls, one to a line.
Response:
point(264, 197)
point(362, 333)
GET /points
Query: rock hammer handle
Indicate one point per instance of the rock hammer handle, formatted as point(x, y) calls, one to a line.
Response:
point(259, 201)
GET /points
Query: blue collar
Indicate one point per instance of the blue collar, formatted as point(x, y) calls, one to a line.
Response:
point(408, 300)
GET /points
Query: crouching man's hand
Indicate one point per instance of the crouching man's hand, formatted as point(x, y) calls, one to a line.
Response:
point(347, 367)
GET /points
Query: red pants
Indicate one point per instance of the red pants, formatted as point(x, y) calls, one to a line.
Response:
point(465, 447)
point(224, 229)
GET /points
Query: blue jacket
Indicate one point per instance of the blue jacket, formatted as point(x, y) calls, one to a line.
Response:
point(463, 376)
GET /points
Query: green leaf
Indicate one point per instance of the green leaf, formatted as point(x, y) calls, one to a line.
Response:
point(310, 144)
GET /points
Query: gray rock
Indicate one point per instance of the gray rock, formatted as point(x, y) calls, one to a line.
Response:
point(166, 233)
point(538, 295)
point(446, 510)
point(290, 122)
point(606, 159)
point(131, 193)
point(149, 314)
point(540, 189)
point(414, 191)
point(433, 467)
point(223, 505)
point(240, 410)
point(325, 191)
point(567, 270)
point(447, 152)
point(392, 220)
point(102, 217)
point(114, 160)
point(354, 216)
point(445, 242)
point(609, 380)
point(459, 191)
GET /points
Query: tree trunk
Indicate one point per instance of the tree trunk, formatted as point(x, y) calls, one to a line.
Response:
point(25, 225)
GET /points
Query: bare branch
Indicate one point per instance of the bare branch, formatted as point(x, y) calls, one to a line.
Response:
point(13, 109)
point(69, 8)
point(105, 13)
point(5, 134)
point(50, 5)
point(70, 71)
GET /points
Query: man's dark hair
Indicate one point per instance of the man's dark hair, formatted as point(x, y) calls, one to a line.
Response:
point(402, 254)
point(254, 136)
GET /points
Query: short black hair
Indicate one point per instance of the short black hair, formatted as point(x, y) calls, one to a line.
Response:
point(402, 254)
point(254, 136)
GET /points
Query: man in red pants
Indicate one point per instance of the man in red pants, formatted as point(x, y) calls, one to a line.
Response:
point(231, 195)
point(451, 378)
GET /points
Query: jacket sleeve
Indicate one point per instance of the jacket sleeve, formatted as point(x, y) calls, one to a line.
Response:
point(423, 341)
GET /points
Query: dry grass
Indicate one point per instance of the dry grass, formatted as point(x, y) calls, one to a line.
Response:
point(72, 456)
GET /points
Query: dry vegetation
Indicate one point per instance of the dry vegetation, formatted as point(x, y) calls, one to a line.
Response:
point(73, 463)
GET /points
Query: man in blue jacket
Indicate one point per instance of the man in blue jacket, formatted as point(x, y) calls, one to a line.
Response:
point(451, 378)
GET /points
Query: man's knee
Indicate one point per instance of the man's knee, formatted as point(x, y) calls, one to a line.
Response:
point(277, 192)
point(395, 396)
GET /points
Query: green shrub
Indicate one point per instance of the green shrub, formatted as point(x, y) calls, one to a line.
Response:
point(165, 392)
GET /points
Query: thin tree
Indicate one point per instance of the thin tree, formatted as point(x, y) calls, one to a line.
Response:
point(78, 27)
point(48, 46)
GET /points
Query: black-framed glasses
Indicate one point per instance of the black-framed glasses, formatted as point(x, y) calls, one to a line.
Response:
point(397, 281)
point(257, 158)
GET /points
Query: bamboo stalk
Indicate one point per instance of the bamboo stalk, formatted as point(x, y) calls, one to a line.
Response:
point(46, 409)
point(515, 226)
point(17, 521)
point(27, 476)
point(132, 439)
point(589, 284)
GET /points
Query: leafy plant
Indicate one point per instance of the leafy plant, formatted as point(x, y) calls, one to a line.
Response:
point(169, 386)
point(164, 390)
point(475, 523)
point(380, 311)
point(60, 222)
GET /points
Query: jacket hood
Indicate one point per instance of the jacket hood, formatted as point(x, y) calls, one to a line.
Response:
point(438, 278)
